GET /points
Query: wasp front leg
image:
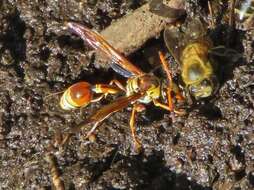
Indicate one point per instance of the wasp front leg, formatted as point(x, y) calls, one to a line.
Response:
point(172, 88)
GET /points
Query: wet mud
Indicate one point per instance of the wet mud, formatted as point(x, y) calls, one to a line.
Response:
point(212, 147)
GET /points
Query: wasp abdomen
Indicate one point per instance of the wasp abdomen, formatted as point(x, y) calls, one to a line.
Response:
point(77, 95)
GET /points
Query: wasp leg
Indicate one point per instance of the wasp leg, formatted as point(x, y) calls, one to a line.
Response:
point(118, 84)
point(97, 99)
point(137, 144)
point(100, 115)
point(91, 132)
point(105, 89)
point(178, 94)
point(172, 87)
point(113, 87)
point(161, 105)
point(166, 107)
point(169, 76)
point(89, 135)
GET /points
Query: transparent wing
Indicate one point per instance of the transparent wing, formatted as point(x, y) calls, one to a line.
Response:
point(172, 39)
point(124, 66)
point(194, 29)
point(176, 38)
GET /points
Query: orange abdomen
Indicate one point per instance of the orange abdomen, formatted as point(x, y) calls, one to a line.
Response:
point(77, 95)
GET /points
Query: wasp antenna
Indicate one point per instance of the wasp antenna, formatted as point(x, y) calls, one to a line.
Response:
point(52, 94)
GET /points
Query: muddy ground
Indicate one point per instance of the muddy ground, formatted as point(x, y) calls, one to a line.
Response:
point(212, 147)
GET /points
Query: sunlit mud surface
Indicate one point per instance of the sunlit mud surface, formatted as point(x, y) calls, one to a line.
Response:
point(210, 147)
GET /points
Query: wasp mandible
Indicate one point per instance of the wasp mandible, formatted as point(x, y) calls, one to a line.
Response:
point(141, 88)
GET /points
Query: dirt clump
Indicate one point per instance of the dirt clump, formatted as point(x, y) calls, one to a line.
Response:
point(210, 147)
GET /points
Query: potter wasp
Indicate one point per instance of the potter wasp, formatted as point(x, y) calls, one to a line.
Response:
point(141, 88)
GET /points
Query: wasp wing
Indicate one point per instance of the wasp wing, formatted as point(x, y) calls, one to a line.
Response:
point(124, 66)
point(106, 111)
point(120, 70)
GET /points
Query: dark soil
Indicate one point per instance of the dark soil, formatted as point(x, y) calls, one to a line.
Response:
point(212, 147)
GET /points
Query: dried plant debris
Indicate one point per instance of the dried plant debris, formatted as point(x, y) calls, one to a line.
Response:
point(55, 172)
point(129, 33)
point(245, 13)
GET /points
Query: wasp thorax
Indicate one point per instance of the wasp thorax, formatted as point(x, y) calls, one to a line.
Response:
point(77, 95)
point(148, 84)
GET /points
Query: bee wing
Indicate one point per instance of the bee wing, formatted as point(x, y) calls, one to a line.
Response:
point(195, 29)
point(120, 64)
point(177, 38)
point(106, 111)
point(173, 39)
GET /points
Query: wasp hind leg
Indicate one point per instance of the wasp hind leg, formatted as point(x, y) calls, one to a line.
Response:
point(118, 84)
point(114, 87)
